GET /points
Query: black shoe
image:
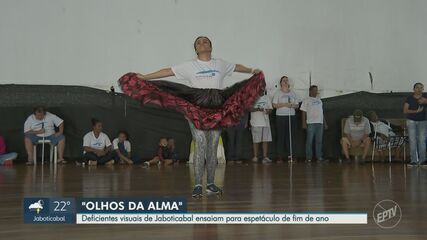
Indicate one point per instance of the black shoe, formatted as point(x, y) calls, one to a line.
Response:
point(197, 192)
point(212, 188)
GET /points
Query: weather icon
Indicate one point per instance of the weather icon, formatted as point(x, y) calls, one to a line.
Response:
point(37, 206)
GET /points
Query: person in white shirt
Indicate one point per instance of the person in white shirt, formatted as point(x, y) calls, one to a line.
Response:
point(314, 122)
point(285, 101)
point(207, 73)
point(382, 132)
point(122, 147)
point(356, 133)
point(260, 127)
point(97, 148)
point(41, 125)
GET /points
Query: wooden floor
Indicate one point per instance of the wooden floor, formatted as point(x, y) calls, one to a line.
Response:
point(298, 187)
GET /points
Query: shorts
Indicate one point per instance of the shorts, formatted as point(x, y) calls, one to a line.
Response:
point(261, 134)
point(54, 139)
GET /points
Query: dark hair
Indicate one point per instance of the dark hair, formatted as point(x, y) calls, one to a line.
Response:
point(95, 121)
point(370, 113)
point(39, 109)
point(125, 133)
point(281, 79)
point(195, 41)
point(311, 87)
point(418, 83)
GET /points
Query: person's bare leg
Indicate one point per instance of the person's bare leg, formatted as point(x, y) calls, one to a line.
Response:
point(29, 149)
point(111, 162)
point(153, 161)
point(255, 146)
point(366, 145)
point(345, 146)
point(265, 149)
point(168, 162)
point(61, 147)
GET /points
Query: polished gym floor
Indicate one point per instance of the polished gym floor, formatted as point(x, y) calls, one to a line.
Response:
point(288, 187)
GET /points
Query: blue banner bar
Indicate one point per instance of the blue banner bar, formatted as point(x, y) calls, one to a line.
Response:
point(44, 210)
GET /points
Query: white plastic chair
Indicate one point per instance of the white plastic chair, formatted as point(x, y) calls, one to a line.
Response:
point(53, 151)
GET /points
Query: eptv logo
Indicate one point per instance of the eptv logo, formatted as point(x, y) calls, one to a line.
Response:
point(387, 214)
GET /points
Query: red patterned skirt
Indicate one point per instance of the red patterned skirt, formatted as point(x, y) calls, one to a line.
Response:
point(206, 108)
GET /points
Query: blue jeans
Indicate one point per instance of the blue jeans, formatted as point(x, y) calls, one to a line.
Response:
point(7, 156)
point(417, 137)
point(314, 132)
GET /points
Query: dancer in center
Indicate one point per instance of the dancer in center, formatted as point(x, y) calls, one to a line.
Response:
point(206, 103)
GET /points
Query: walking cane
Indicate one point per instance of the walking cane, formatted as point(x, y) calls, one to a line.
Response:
point(290, 131)
point(43, 143)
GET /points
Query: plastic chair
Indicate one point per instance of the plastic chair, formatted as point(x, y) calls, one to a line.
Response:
point(53, 151)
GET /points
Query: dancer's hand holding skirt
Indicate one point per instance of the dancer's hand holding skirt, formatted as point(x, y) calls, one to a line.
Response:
point(206, 108)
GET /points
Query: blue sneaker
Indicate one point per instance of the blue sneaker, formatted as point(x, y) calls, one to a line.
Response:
point(212, 188)
point(197, 192)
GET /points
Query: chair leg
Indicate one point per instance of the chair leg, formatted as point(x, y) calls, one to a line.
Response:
point(55, 155)
point(373, 152)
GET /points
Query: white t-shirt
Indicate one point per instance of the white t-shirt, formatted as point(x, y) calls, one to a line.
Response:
point(314, 109)
point(89, 140)
point(126, 143)
point(357, 131)
point(201, 74)
point(49, 123)
point(282, 97)
point(383, 128)
point(261, 119)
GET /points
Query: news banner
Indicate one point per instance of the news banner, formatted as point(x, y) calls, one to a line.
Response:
point(162, 211)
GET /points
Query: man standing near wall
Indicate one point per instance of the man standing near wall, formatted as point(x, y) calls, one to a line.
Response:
point(314, 122)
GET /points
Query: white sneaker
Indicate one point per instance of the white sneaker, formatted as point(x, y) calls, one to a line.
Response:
point(267, 160)
point(255, 159)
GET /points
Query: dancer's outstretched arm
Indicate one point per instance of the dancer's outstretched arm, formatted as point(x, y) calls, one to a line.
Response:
point(162, 73)
point(242, 69)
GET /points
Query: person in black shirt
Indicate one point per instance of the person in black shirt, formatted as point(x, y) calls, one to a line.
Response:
point(414, 108)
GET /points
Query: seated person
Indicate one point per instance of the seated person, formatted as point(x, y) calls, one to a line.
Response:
point(41, 125)
point(97, 146)
point(122, 147)
point(381, 128)
point(163, 154)
point(6, 158)
point(383, 131)
point(356, 134)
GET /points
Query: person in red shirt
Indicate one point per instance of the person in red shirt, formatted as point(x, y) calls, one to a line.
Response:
point(163, 155)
